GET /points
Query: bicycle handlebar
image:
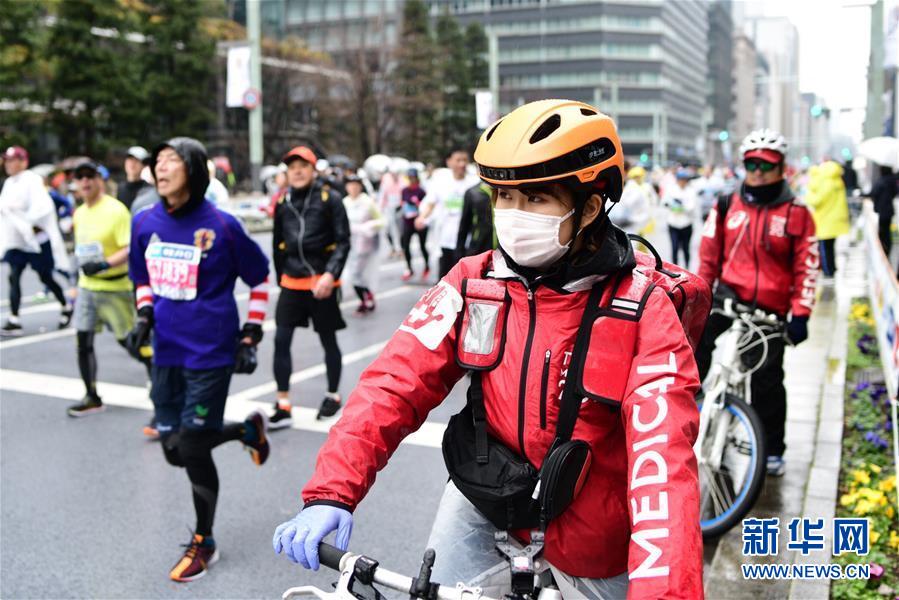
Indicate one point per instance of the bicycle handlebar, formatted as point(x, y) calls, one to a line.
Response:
point(339, 560)
point(330, 556)
point(734, 309)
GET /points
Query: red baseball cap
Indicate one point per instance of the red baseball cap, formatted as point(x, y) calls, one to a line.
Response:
point(771, 156)
point(302, 152)
point(16, 152)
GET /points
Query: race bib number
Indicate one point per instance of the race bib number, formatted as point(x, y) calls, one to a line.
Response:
point(89, 252)
point(173, 270)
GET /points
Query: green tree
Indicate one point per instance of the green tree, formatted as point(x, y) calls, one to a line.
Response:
point(177, 66)
point(416, 92)
point(23, 71)
point(90, 92)
point(476, 55)
point(457, 102)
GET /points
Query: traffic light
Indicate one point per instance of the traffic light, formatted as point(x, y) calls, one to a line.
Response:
point(724, 135)
point(806, 161)
point(644, 157)
point(816, 110)
point(847, 153)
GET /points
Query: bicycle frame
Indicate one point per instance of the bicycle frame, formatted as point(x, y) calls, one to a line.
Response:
point(727, 375)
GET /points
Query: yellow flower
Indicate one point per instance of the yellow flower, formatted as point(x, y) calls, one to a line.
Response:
point(847, 499)
point(873, 496)
point(888, 484)
point(890, 512)
point(875, 535)
point(864, 507)
point(861, 476)
point(894, 540)
point(874, 468)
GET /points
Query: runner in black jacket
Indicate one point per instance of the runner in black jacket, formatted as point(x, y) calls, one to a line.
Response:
point(476, 226)
point(310, 244)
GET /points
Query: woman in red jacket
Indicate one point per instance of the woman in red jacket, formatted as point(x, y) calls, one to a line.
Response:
point(512, 317)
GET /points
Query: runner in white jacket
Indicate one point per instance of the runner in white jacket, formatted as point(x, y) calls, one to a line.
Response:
point(29, 236)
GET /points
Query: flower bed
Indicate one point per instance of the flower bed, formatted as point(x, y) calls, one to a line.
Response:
point(867, 474)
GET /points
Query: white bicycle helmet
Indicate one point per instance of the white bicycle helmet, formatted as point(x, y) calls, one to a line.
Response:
point(762, 143)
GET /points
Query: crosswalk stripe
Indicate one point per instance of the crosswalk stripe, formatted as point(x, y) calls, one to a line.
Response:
point(52, 305)
point(269, 325)
point(236, 409)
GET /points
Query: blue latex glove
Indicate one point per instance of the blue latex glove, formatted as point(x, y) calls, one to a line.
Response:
point(299, 537)
point(797, 330)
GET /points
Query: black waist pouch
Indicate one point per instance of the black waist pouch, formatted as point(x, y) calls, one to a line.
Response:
point(502, 488)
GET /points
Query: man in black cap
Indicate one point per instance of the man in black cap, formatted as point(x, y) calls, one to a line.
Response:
point(102, 227)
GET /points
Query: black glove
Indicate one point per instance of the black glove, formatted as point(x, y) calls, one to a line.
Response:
point(797, 330)
point(245, 361)
point(137, 342)
point(94, 267)
point(252, 331)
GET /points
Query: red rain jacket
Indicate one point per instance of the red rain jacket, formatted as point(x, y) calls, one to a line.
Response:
point(767, 254)
point(638, 510)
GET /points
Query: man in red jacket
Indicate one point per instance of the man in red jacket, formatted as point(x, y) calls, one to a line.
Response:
point(632, 527)
point(762, 252)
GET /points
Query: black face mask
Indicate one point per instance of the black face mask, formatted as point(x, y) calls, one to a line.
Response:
point(763, 194)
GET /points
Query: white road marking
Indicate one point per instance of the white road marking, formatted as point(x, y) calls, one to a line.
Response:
point(237, 408)
point(52, 305)
point(269, 325)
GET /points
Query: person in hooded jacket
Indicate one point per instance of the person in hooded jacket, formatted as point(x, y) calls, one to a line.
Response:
point(310, 246)
point(883, 194)
point(184, 259)
point(627, 532)
point(827, 198)
point(759, 248)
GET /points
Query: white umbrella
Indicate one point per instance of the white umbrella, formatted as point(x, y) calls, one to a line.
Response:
point(43, 169)
point(882, 150)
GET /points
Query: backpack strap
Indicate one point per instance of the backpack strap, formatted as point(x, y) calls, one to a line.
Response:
point(480, 342)
point(722, 207)
point(479, 415)
point(570, 404)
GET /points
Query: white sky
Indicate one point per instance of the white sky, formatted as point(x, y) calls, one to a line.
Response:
point(834, 44)
point(834, 48)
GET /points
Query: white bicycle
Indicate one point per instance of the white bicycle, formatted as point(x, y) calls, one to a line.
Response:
point(730, 446)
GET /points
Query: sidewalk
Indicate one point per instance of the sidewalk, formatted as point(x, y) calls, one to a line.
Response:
point(815, 376)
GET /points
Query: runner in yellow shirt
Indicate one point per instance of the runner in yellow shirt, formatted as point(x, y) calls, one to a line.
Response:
point(102, 234)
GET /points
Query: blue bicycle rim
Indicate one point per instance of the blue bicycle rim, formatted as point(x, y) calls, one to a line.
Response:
point(746, 486)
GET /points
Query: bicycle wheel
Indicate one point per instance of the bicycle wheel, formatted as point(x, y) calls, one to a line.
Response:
point(731, 480)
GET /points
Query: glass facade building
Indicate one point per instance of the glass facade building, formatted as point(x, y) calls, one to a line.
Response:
point(643, 61)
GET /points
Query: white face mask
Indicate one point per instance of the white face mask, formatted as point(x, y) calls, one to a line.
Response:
point(531, 240)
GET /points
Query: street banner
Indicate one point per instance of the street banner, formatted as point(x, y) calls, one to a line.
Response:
point(483, 104)
point(883, 291)
point(238, 76)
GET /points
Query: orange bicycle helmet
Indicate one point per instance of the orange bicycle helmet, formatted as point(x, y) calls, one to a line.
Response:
point(553, 141)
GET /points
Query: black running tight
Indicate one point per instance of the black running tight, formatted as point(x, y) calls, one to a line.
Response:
point(406, 242)
point(362, 292)
point(15, 287)
point(192, 450)
point(283, 362)
point(87, 361)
